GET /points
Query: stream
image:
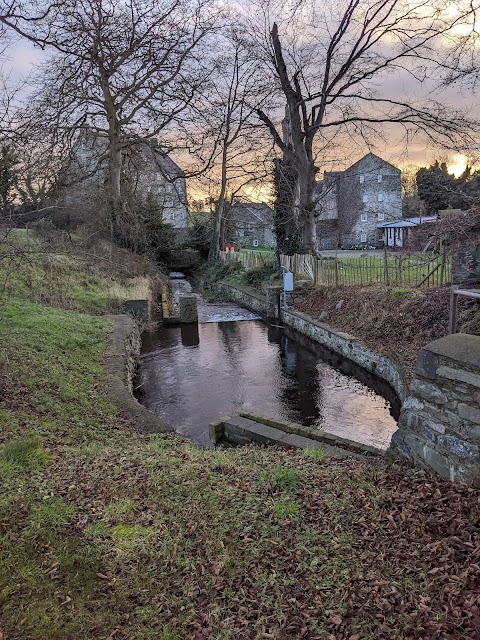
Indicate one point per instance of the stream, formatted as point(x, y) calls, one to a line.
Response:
point(192, 375)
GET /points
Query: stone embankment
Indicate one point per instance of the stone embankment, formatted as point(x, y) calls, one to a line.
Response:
point(342, 343)
point(439, 425)
point(121, 362)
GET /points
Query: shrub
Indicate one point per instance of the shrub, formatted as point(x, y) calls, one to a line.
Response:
point(255, 277)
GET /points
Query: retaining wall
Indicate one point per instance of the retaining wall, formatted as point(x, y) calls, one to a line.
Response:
point(121, 360)
point(439, 425)
point(342, 343)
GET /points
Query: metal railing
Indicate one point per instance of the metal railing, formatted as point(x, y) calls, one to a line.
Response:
point(455, 292)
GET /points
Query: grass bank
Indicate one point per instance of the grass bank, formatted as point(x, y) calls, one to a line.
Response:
point(107, 533)
point(68, 275)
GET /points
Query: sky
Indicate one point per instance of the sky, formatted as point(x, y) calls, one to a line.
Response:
point(22, 57)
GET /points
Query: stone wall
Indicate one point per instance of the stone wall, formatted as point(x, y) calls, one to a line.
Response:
point(121, 360)
point(247, 297)
point(439, 426)
point(139, 309)
point(349, 347)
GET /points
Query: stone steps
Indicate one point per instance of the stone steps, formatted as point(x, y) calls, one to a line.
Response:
point(239, 430)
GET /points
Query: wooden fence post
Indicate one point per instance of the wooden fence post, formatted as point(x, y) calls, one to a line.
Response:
point(452, 325)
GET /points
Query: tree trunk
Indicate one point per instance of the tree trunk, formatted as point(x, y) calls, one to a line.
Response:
point(219, 210)
point(217, 224)
point(305, 204)
point(115, 171)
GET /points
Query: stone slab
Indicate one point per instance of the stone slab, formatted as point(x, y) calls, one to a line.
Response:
point(458, 375)
point(461, 347)
point(427, 364)
point(311, 433)
point(241, 430)
point(469, 413)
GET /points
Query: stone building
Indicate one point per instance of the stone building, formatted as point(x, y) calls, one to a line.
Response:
point(252, 224)
point(352, 203)
point(147, 172)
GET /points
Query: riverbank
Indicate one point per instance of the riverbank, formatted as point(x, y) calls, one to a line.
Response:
point(109, 533)
point(394, 322)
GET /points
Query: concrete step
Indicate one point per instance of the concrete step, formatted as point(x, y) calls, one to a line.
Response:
point(240, 430)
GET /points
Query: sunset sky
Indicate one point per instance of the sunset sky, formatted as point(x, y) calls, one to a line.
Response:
point(23, 55)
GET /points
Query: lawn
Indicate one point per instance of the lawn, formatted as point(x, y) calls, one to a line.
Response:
point(106, 533)
point(261, 249)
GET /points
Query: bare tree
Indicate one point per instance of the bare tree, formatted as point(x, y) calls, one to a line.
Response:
point(125, 70)
point(237, 144)
point(329, 69)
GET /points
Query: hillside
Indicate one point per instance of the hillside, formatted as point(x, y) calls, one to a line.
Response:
point(394, 322)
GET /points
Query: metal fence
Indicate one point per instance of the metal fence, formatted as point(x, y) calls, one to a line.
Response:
point(392, 269)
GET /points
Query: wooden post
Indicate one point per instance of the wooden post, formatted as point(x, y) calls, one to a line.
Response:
point(452, 325)
point(385, 266)
point(336, 273)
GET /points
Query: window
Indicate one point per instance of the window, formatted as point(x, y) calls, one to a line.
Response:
point(361, 177)
point(363, 217)
point(380, 237)
point(379, 177)
point(365, 199)
point(381, 216)
point(380, 197)
point(255, 243)
point(331, 204)
point(363, 237)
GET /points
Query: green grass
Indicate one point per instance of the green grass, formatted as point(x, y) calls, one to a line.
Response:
point(317, 454)
point(20, 455)
point(59, 280)
point(260, 249)
point(403, 271)
point(109, 533)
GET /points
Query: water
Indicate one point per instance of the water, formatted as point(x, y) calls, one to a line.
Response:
point(191, 376)
point(208, 312)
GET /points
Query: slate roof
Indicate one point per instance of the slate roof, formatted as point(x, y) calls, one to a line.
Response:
point(256, 212)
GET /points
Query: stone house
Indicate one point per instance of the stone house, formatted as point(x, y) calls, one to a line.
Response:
point(352, 203)
point(147, 170)
point(252, 225)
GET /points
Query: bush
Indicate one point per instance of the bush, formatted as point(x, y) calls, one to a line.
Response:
point(199, 235)
point(255, 277)
point(221, 270)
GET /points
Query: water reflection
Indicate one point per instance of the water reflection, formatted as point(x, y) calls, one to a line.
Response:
point(192, 376)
